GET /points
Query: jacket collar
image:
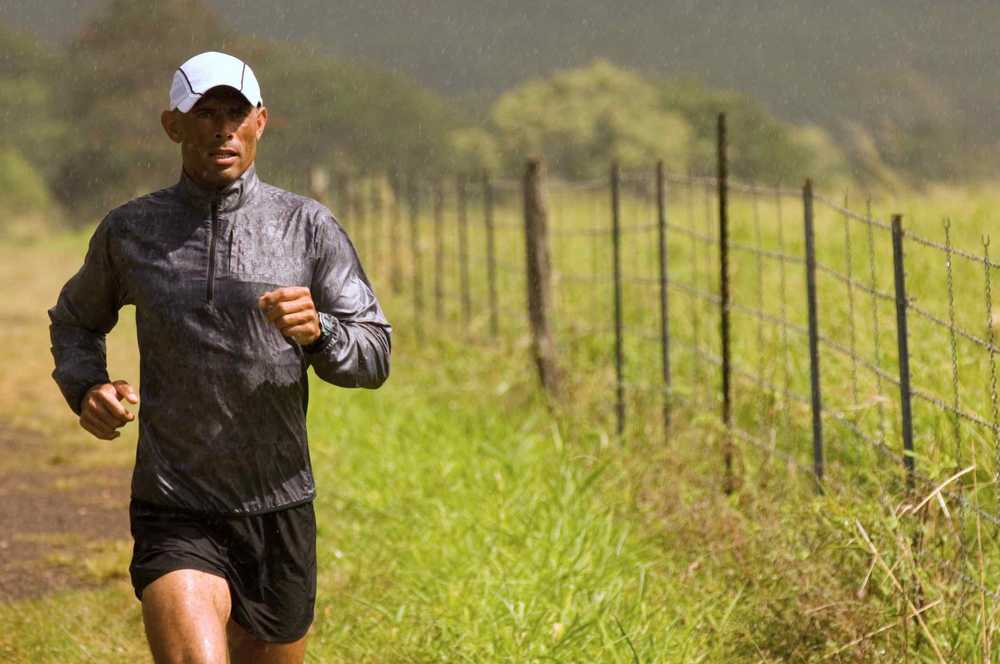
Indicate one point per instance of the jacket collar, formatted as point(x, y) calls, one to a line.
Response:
point(230, 198)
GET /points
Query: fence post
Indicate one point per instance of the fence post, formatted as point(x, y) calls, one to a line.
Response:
point(395, 241)
point(378, 223)
point(536, 245)
point(727, 387)
point(902, 340)
point(661, 218)
point(617, 275)
point(418, 285)
point(360, 230)
point(463, 250)
point(491, 255)
point(439, 250)
point(341, 185)
point(814, 375)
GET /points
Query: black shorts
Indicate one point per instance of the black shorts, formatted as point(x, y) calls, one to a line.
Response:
point(269, 561)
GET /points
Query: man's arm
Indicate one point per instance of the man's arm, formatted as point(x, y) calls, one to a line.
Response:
point(337, 319)
point(87, 309)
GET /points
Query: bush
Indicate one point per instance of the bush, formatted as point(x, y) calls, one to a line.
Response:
point(22, 188)
point(579, 120)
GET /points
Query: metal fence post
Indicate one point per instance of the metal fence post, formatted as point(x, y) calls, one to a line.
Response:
point(814, 375)
point(661, 226)
point(902, 341)
point(727, 387)
point(617, 274)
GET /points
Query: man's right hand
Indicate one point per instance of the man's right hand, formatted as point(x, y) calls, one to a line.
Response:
point(101, 411)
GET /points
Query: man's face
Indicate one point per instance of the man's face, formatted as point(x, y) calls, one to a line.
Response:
point(218, 136)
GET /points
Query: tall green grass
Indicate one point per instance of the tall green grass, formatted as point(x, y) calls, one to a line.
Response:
point(464, 518)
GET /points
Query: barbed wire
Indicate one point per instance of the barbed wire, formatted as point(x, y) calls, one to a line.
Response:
point(692, 233)
point(965, 415)
point(853, 283)
point(967, 255)
point(766, 253)
point(851, 214)
point(965, 334)
point(702, 253)
point(765, 317)
point(693, 290)
point(846, 352)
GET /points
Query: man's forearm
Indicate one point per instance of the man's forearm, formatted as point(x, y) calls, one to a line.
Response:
point(80, 361)
point(356, 354)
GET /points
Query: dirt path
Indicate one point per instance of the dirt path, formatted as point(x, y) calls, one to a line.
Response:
point(51, 516)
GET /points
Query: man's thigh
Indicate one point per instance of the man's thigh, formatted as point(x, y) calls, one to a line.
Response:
point(244, 648)
point(185, 613)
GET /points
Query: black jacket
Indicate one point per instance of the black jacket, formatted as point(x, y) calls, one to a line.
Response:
point(223, 395)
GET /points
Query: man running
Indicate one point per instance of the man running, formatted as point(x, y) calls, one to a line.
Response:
point(239, 287)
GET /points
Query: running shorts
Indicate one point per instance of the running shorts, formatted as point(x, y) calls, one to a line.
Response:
point(269, 561)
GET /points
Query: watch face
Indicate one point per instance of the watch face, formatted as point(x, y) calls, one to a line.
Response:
point(325, 325)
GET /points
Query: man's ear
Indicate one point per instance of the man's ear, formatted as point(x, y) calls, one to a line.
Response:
point(171, 122)
point(261, 121)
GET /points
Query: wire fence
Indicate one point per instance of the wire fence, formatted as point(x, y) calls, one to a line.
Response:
point(856, 348)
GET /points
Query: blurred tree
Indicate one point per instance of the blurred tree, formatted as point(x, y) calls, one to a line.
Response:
point(323, 111)
point(580, 120)
point(761, 148)
point(22, 188)
point(473, 150)
point(347, 116)
point(29, 121)
point(917, 130)
point(112, 93)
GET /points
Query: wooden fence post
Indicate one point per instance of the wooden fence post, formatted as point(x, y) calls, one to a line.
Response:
point(395, 232)
point(539, 276)
point(413, 198)
point(462, 202)
point(491, 255)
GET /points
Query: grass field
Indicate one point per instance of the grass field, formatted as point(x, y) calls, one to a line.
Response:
point(462, 519)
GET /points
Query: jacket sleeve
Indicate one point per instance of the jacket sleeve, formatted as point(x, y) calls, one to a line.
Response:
point(355, 349)
point(87, 309)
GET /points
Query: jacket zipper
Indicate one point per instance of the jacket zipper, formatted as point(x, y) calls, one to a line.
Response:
point(213, 240)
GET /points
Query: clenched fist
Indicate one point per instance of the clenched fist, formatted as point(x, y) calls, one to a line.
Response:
point(101, 411)
point(292, 311)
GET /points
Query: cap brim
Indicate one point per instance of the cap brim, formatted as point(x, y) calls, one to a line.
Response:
point(188, 102)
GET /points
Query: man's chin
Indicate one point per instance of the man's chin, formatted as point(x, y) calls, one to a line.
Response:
point(220, 178)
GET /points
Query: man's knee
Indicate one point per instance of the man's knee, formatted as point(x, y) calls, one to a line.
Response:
point(185, 613)
point(245, 648)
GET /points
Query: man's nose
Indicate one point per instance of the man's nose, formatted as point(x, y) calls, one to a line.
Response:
point(225, 127)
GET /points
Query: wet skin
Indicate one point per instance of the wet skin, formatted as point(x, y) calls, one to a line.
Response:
point(186, 612)
point(218, 136)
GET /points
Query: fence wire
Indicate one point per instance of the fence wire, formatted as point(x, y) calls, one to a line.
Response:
point(952, 325)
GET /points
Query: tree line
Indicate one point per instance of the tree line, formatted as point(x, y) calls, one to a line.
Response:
point(81, 131)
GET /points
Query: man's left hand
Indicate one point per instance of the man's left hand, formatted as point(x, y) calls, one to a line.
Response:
point(292, 311)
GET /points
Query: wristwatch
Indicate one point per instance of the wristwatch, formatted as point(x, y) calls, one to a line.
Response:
point(327, 328)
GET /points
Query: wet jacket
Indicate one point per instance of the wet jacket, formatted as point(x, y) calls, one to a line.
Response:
point(223, 394)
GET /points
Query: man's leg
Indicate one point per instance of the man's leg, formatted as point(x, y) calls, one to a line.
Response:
point(185, 613)
point(247, 649)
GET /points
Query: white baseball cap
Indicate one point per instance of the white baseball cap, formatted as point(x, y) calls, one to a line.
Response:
point(209, 70)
